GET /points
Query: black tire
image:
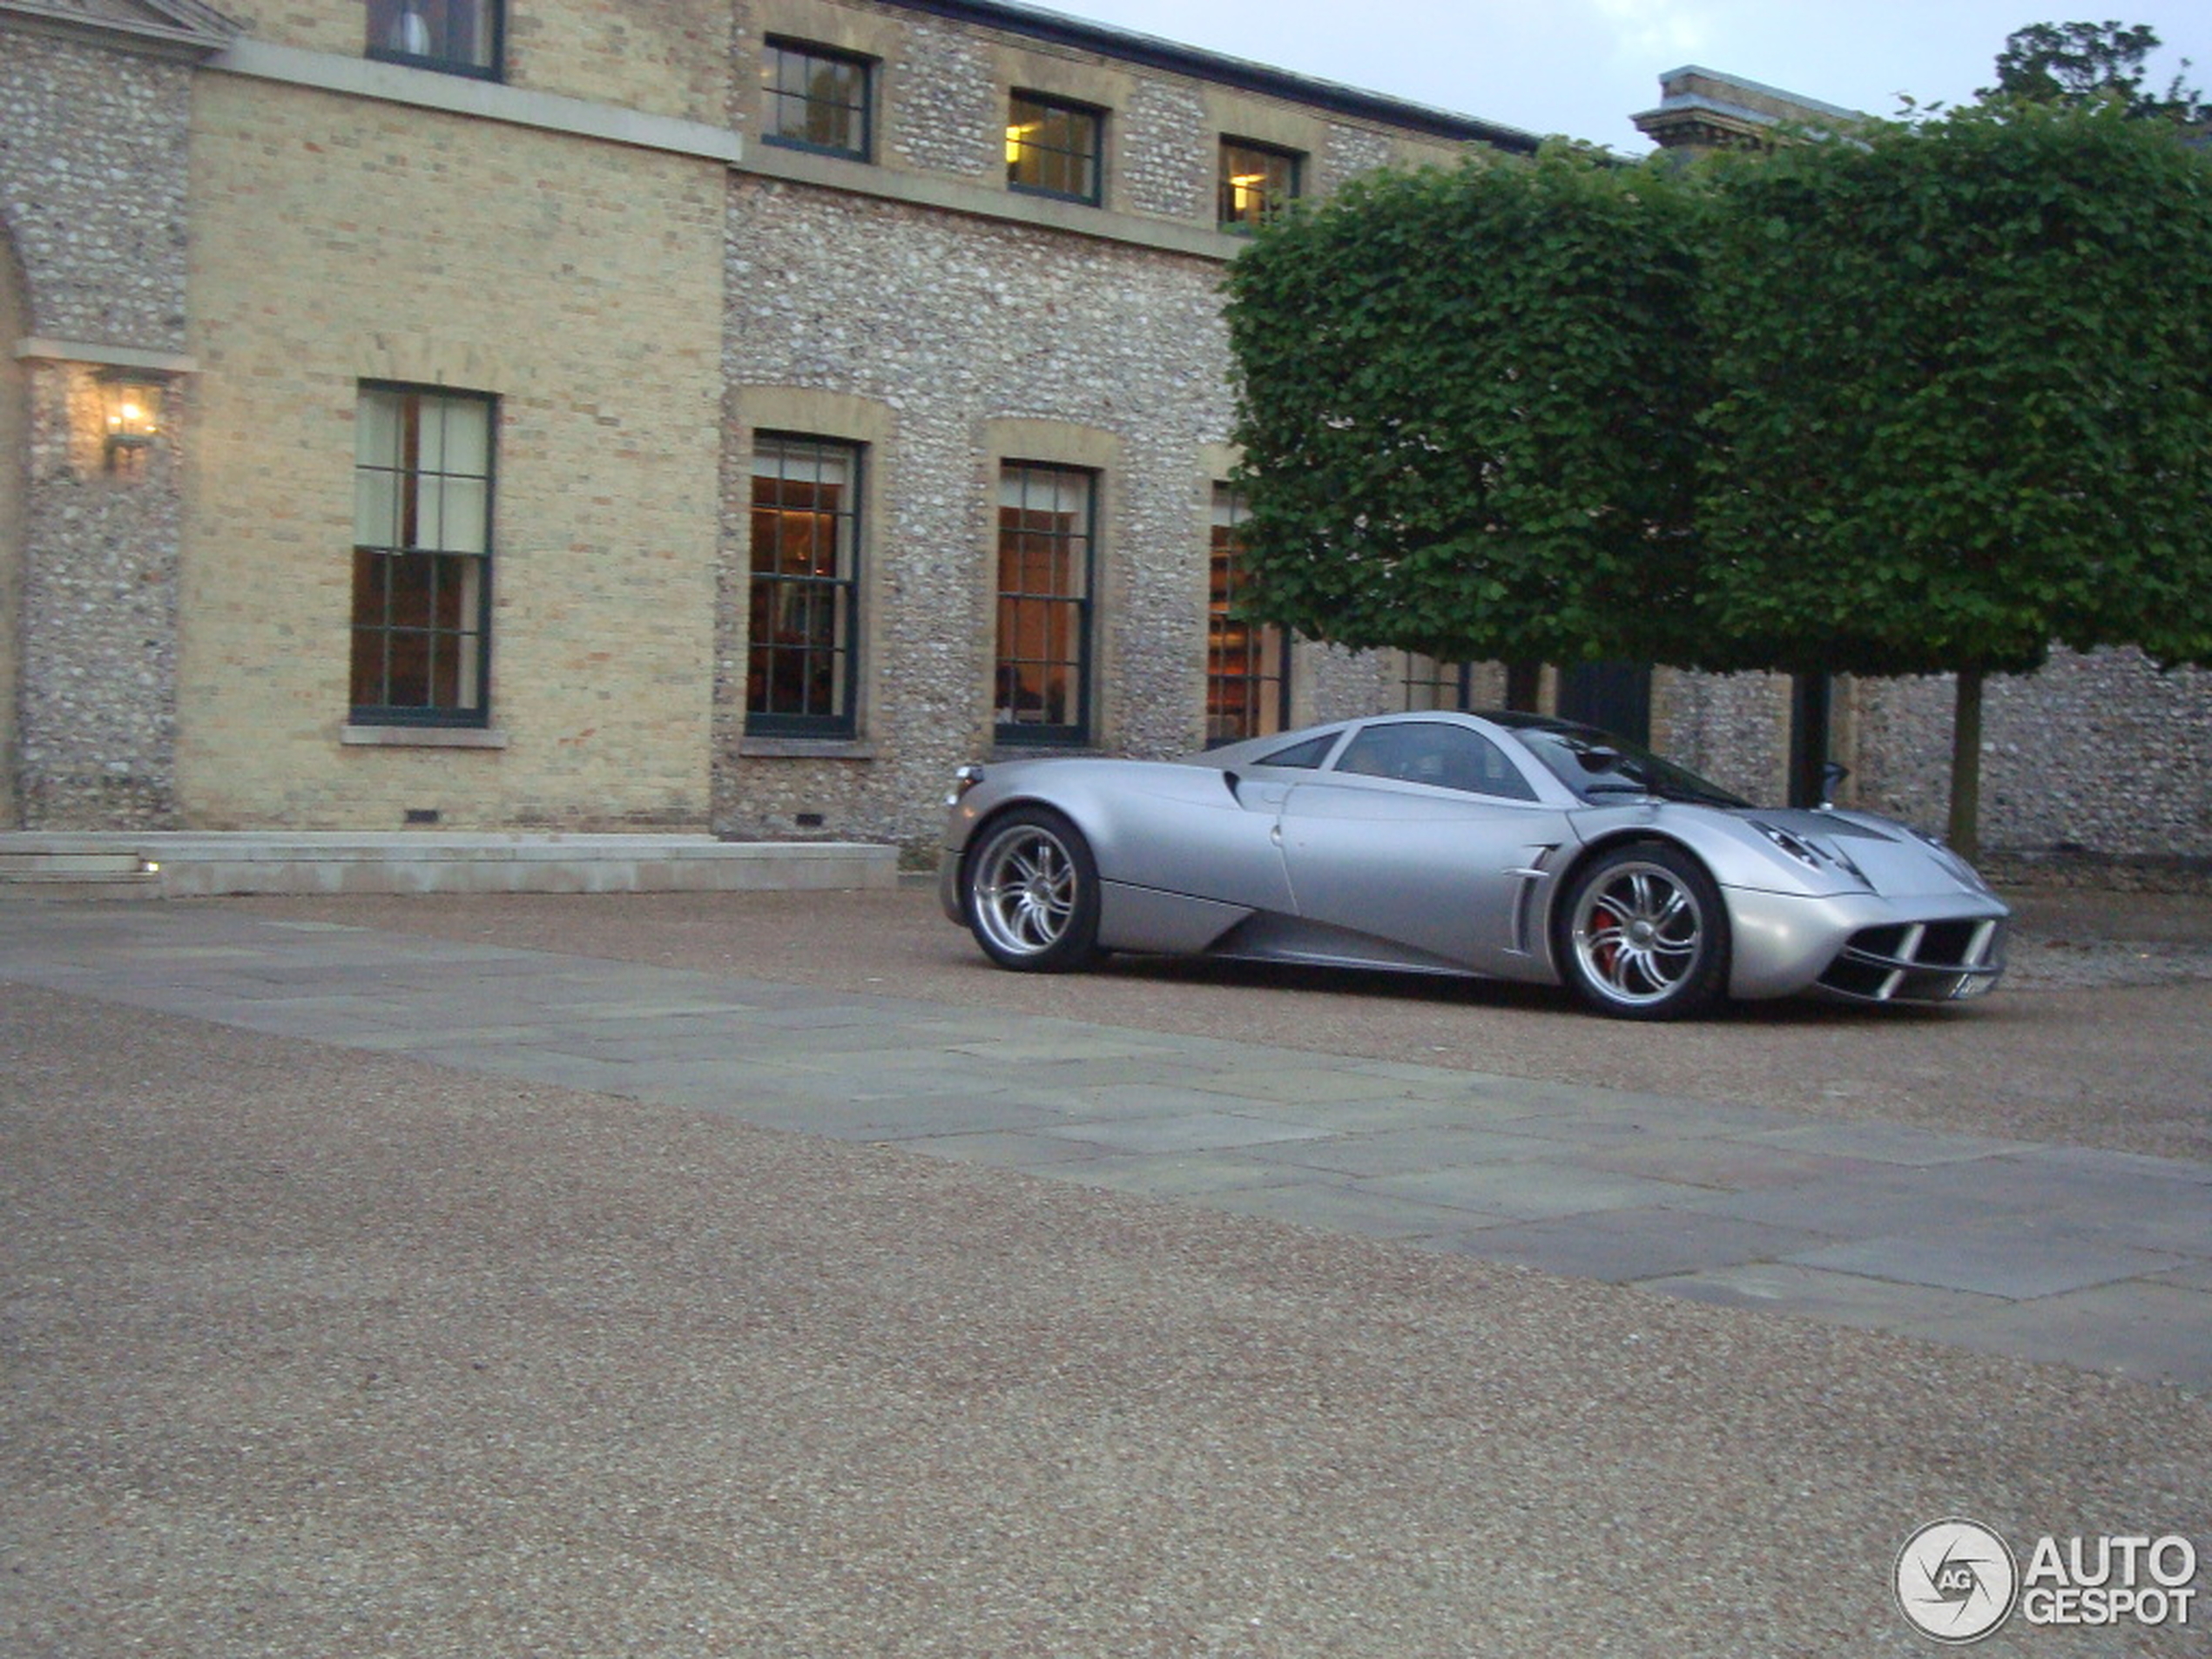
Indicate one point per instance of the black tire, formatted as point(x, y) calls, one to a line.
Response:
point(1642, 935)
point(1029, 887)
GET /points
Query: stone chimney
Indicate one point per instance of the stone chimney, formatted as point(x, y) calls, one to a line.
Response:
point(1701, 110)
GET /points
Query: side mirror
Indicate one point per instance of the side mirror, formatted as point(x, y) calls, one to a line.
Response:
point(1598, 758)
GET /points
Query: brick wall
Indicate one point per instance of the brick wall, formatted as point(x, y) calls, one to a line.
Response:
point(659, 57)
point(338, 240)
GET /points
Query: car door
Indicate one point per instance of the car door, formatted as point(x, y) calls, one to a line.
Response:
point(1424, 834)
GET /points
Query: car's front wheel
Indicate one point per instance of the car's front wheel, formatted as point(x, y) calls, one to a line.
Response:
point(1031, 890)
point(1644, 935)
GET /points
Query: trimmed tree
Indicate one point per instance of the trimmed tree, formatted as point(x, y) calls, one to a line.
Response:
point(1467, 402)
point(1968, 400)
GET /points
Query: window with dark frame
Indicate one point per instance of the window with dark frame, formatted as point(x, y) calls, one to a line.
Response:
point(454, 36)
point(421, 604)
point(815, 99)
point(1425, 684)
point(1248, 680)
point(1041, 664)
point(802, 660)
point(1054, 148)
point(1256, 182)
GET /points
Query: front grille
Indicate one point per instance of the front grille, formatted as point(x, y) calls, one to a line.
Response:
point(1920, 962)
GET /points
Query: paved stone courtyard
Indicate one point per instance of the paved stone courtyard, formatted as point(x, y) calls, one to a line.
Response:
point(406, 1288)
point(2091, 1256)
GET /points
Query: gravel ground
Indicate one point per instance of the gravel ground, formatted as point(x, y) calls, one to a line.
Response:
point(2096, 1038)
point(307, 1352)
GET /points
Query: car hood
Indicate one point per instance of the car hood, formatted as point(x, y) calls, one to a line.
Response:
point(1891, 859)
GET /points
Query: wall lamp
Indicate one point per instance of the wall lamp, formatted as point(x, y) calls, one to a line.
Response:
point(131, 406)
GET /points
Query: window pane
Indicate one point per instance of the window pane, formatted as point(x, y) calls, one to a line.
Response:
point(1052, 147)
point(814, 98)
point(422, 527)
point(1044, 601)
point(800, 660)
point(459, 36)
point(1247, 679)
point(1256, 183)
point(1443, 756)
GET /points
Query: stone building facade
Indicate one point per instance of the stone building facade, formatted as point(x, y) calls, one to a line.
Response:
point(719, 415)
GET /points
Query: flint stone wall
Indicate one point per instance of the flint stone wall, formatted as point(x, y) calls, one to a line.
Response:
point(950, 323)
point(2099, 754)
point(92, 202)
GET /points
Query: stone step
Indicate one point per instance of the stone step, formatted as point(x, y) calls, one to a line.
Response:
point(191, 864)
point(133, 884)
point(55, 866)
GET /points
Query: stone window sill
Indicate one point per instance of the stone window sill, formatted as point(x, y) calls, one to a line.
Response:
point(422, 737)
point(807, 748)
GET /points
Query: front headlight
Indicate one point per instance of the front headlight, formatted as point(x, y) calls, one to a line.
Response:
point(1952, 863)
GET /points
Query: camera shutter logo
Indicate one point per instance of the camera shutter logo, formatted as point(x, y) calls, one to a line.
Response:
point(1956, 1581)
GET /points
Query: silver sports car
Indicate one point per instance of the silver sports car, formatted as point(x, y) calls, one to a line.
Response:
point(1503, 846)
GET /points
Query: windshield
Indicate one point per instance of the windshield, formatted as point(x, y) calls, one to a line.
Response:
point(1596, 765)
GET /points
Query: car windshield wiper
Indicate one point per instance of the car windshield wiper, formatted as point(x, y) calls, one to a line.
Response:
point(1618, 789)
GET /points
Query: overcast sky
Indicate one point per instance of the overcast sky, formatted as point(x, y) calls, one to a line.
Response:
point(1583, 67)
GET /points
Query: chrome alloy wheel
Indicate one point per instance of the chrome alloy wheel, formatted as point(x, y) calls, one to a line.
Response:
point(1025, 888)
point(1638, 933)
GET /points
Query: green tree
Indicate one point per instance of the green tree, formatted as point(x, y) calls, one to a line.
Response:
point(1968, 400)
point(1467, 403)
point(2051, 63)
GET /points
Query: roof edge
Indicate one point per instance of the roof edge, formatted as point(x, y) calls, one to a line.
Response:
point(1154, 52)
point(177, 28)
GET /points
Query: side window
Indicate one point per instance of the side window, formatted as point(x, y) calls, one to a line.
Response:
point(1054, 148)
point(802, 663)
point(454, 36)
point(1305, 756)
point(422, 621)
point(814, 98)
point(1430, 751)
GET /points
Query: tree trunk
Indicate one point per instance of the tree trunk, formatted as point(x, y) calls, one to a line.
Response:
point(1523, 682)
point(1965, 767)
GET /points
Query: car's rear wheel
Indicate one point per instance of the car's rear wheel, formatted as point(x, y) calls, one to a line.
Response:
point(1644, 935)
point(1031, 892)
